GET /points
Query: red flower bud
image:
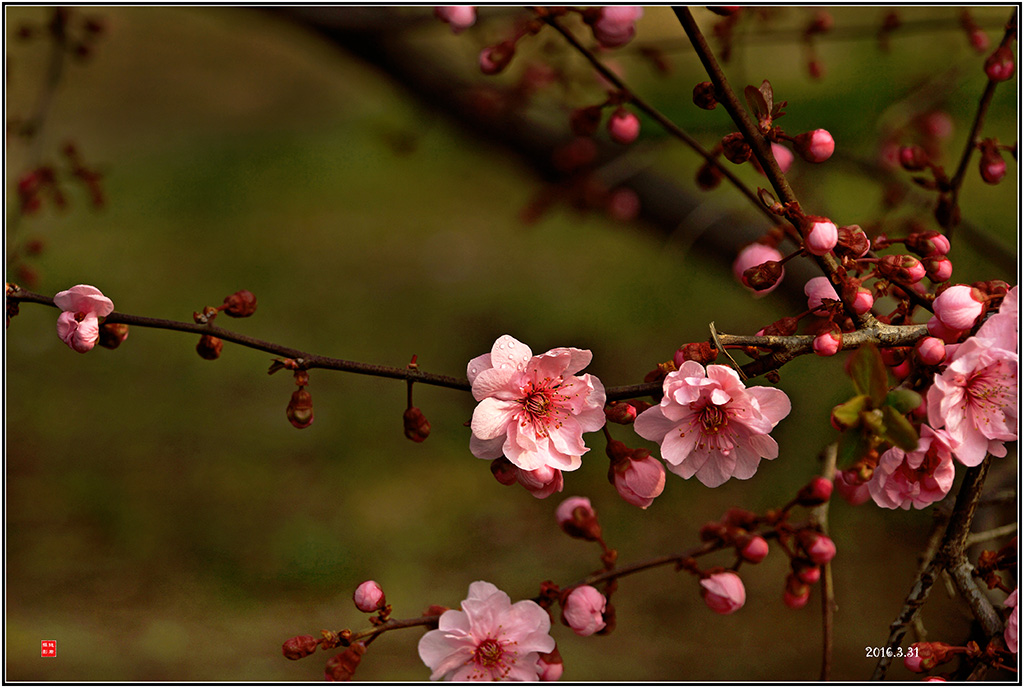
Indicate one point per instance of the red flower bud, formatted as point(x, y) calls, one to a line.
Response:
point(343, 667)
point(209, 347)
point(300, 409)
point(578, 519)
point(241, 304)
point(763, 276)
point(495, 58)
point(300, 646)
point(1000, 65)
point(816, 492)
point(704, 95)
point(735, 148)
point(852, 241)
point(701, 352)
point(913, 158)
point(815, 146)
point(991, 164)
point(504, 471)
point(112, 334)
point(417, 427)
point(620, 412)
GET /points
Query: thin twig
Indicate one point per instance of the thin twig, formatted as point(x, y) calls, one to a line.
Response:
point(819, 516)
point(994, 534)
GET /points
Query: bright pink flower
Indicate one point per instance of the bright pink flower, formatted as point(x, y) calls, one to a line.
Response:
point(975, 397)
point(851, 490)
point(623, 126)
point(639, 481)
point(817, 290)
point(723, 592)
point(709, 425)
point(534, 409)
point(958, 307)
point(617, 25)
point(584, 610)
point(1010, 632)
point(827, 343)
point(491, 639)
point(82, 305)
point(369, 597)
point(820, 236)
point(753, 255)
point(918, 478)
point(815, 146)
point(931, 350)
point(460, 17)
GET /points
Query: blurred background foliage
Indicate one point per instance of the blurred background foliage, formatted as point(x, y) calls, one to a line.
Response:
point(165, 522)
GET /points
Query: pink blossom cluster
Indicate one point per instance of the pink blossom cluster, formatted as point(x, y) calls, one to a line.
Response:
point(491, 639)
point(709, 425)
point(533, 410)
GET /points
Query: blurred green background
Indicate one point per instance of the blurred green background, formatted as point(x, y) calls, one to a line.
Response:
point(165, 522)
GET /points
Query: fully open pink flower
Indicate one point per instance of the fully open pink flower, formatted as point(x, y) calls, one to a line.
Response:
point(975, 397)
point(82, 305)
point(918, 478)
point(491, 639)
point(534, 409)
point(709, 425)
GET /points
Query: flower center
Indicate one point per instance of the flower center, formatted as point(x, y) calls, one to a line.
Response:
point(492, 657)
point(542, 406)
point(713, 419)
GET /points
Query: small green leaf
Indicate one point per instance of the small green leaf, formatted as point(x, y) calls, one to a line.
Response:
point(847, 414)
point(903, 400)
point(868, 373)
point(898, 429)
point(852, 448)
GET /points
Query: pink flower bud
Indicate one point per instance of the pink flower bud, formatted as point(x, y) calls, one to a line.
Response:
point(807, 573)
point(583, 610)
point(850, 488)
point(938, 268)
point(991, 165)
point(817, 290)
point(620, 412)
point(958, 307)
point(999, 66)
point(623, 126)
point(723, 592)
point(796, 592)
point(931, 350)
point(928, 244)
point(817, 491)
point(754, 550)
point(460, 17)
point(578, 519)
point(901, 268)
point(551, 666)
point(913, 664)
point(946, 334)
point(863, 301)
point(300, 646)
point(819, 548)
point(542, 482)
point(752, 256)
point(820, 235)
point(638, 480)
point(913, 158)
point(901, 371)
point(815, 146)
point(617, 25)
point(369, 597)
point(82, 306)
point(623, 204)
point(828, 343)
point(495, 58)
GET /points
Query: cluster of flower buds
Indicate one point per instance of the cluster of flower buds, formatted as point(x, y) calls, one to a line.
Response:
point(241, 304)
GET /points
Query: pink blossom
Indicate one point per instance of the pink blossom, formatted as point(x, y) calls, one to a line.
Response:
point(958, 307)
point(938, 268)
point(815, 146)
point(369, 597)
point(638, 480)
point(460, 17)
point(623, 126)
point(753, 255)
point(918, 478)
point(617, 25)
point(820, 235)
point(975, 397)
point(709, 425)
point(723, 592)
point(491, 639)
point(827, 343)
point(931, 350)
point(78, 325)
point(819, 289)
point(1010, 632)
point(584, 609)
point(534, 409)
point(863, 301)
point(853, 491)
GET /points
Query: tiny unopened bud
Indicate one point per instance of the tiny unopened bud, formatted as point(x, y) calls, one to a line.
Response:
point(913, 158)
point(753, 549)
point(931, 350)
point(578, 519)
point(416, 425)
point(343, 667)
point(816, 492)
point(112, 334)
point(901, 268)
point(704, 95)
point(739, 518)
point(701, 352)
point(209, 347)
point(735, 148)
point(758, 254)
point(620, 412)
point(459, 17)
point(815, 146)
point(241, 304)
point(796, 592)
point(819, 548)
point(584, 121)
point(369, 597)
point(551, 666)
point(806, 571)
point(853, 241)
point(300, 646)
point(1000, 65)
point(763, 276)
point(494, 59)
point(623, 126)
point(991, 165)
point(783, 327)
point(828, 343)
point(300, 409)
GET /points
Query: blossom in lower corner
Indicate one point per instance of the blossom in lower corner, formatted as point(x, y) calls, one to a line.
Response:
point(78, 325)
point(975, 397)
point(709, 425)
point(918, 478)
point(491, 639)
point(534, 409)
